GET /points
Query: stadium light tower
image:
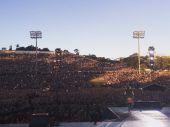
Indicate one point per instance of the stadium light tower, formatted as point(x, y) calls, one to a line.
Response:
point(138, 35)
point(36, 35)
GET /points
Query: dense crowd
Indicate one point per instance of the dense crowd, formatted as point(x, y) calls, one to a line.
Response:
point(128, 76)
point(61, 86)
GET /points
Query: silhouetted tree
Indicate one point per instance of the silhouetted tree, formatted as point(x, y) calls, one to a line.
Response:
point(10, 47)
point(76, 51)
point(66, 52)
point(58, 51)
point(30, 48)
point(17, 46)
point(20, 49)
point(45, 49)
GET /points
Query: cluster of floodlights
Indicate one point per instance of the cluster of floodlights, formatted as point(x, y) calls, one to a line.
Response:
point(151, 51)
point(35, 34)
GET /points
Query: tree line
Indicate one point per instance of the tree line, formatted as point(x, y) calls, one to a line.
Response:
point(31, 48)
point(160, 62)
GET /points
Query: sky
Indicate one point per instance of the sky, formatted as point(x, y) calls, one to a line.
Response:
point(100, 27)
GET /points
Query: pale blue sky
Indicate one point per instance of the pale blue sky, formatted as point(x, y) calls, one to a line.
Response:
point(101, 27)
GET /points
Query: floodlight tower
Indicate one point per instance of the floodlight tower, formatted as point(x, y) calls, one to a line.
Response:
point(138, 35)
point(36, 35)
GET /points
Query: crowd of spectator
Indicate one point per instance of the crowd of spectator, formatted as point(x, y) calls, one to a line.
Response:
point(61, 86)
point(128, 76)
